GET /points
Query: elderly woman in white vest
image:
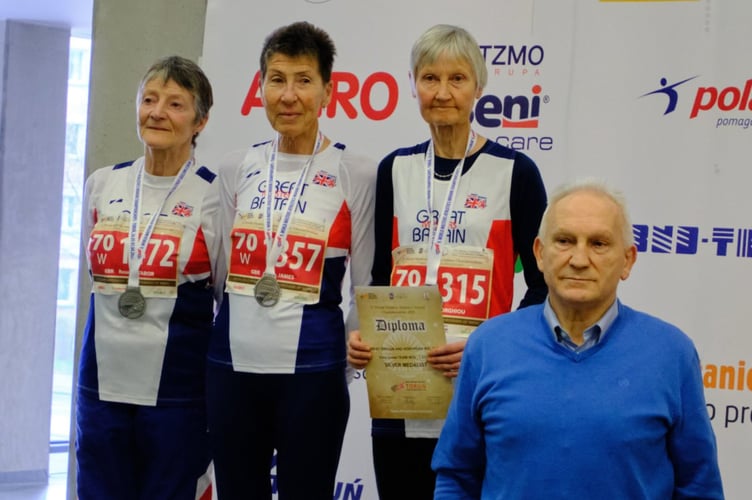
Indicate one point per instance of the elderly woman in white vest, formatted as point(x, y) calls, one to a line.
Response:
point(474, 207)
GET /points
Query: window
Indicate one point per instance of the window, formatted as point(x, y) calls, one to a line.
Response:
point(70, 234)
point(74, 138)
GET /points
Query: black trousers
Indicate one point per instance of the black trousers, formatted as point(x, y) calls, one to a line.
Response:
point(403, 467)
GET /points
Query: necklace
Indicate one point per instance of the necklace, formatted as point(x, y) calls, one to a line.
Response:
point(443, 177)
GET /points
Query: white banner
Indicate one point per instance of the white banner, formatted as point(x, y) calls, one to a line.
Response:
point(653, 96)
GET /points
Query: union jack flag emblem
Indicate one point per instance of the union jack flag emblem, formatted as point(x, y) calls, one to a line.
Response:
point(182, 209)
point(324, 179)
point(475, 201)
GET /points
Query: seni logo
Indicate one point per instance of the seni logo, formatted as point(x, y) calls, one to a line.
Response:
point(516, 115)
point(510, 111)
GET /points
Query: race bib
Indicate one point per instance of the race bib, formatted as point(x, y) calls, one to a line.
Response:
point(298, 268)
point(108, 257)
point(464, 279)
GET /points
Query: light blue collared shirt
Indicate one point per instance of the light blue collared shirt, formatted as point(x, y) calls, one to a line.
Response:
point(592, 334)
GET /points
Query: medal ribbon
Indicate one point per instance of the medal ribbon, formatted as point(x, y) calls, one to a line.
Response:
point(275, 245)
point(137, 249)
point(437, 234)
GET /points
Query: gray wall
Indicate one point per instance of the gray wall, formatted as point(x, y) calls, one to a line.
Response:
point(33, 89)
point(126, 38)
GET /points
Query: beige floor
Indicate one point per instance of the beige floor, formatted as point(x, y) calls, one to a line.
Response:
point(54, 490)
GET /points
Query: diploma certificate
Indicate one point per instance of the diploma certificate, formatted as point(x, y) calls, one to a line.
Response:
point(401, 324)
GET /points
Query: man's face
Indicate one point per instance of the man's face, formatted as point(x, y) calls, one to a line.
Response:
point(583, 254)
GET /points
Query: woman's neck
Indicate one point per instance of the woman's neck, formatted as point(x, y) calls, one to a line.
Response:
point(300, 145)
point(165, 162)
point(451, 142)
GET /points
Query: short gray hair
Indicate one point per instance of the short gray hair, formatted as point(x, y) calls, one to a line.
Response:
point(452, 41)
point(189, 76)
point(596, 186)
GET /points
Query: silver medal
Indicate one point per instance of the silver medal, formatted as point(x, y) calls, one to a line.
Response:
point(132, 303)
point(267, 290)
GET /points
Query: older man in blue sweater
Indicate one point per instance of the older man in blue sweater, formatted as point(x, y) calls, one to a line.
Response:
point(580, 397)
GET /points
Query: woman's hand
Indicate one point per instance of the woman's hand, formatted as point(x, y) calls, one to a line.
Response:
point(358, 352)
point(447, 357)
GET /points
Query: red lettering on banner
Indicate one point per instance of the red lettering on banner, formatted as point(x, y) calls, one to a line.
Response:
point(252, 98)
point(345, 88)
point(727, 99)
point(343, 97)
point(392, 94)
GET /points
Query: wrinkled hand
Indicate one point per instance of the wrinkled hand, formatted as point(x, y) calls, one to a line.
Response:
point(447, 357)
point(358, 352)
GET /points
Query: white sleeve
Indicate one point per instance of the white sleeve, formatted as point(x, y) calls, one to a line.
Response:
point(360, 197)
point(211, 228)
point(92, 190)
point(227, 173)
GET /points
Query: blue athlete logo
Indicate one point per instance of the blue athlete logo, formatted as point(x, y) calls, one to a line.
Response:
point(670, 91)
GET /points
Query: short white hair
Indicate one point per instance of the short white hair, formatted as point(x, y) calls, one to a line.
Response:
point(596, 186)
point(453, 41)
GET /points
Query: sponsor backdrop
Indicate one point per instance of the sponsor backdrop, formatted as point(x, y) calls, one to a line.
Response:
point(655, 97)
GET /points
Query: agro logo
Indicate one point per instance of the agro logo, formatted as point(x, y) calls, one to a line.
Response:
point(346, 88)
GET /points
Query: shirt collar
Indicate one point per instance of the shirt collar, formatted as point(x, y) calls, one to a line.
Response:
point(593, 334)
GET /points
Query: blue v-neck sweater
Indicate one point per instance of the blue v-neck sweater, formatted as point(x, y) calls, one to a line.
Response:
point(531, 419)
